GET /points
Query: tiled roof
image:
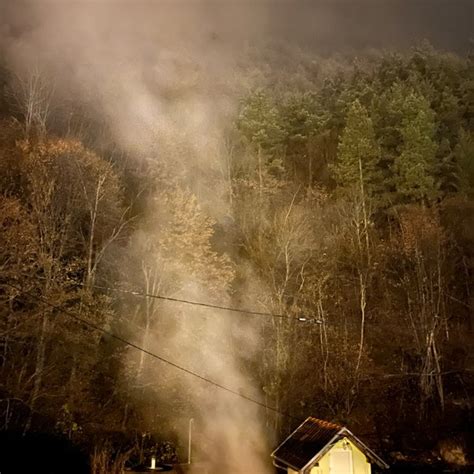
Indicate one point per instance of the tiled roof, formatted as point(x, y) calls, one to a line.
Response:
point(305, 442)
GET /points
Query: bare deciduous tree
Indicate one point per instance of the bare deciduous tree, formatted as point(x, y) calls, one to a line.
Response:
point(31, 94)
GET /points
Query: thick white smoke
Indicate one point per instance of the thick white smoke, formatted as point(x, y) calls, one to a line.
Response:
point(166, 82)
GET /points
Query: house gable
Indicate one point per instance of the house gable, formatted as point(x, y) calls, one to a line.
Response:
point(358, 460)
point(310, 444)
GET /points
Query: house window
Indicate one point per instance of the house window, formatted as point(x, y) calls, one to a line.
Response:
point(340, 462)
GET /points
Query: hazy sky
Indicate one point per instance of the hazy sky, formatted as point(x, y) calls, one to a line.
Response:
point(327, 25)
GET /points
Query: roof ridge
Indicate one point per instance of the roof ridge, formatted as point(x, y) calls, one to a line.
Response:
point(324, 423)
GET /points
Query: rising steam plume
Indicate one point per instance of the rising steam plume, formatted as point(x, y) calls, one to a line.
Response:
point(165, 83)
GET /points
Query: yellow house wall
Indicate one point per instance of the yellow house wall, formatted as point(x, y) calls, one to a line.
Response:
point(359, 461)
point(360, 465)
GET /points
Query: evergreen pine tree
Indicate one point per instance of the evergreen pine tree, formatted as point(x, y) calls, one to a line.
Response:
point(356, 167)
point(414, 167)
point(464, 156)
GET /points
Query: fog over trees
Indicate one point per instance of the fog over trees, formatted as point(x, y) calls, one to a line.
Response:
point(328, 192)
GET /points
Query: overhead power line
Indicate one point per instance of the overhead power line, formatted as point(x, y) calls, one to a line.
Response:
point(191, 372)
point(300, 318)
point(149, 353)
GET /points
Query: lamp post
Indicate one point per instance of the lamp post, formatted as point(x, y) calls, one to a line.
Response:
point(190, 434)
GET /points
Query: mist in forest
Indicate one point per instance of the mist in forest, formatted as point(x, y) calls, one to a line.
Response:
point(166, 84)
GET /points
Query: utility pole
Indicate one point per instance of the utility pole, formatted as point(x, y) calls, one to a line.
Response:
point(190, 433)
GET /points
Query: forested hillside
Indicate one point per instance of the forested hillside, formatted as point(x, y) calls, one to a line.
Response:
point(341, 209)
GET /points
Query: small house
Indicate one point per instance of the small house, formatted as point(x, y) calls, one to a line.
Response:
point(321, 447)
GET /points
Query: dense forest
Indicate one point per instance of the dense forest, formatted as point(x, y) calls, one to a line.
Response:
point(337, 203)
